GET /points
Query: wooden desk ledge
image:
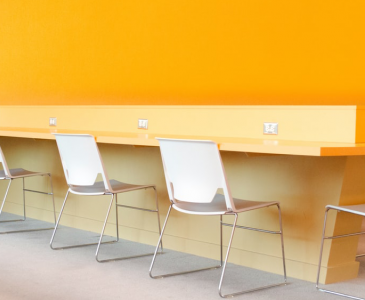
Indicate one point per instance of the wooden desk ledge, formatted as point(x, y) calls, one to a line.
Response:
point(263, 146)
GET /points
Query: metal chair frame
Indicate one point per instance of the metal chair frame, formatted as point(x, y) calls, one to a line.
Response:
point(224, 263)
point(171, 185)
point(104, 226)
point(12, 174)
point(324, 237)
point(108, 190)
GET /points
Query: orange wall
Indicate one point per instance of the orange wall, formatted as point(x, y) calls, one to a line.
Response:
point(182, 52)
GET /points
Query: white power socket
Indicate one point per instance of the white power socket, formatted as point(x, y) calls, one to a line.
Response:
point(142, 123)
point(52, 121)
point(270, 128)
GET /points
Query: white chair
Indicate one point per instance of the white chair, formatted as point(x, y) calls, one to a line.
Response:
point(82, 164)
point(194, 172)
point(351, 209)
point(12, 174)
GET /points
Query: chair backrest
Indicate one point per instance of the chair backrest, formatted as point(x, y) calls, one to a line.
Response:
point(193, 171)
point(3, 162)
point(81, 159)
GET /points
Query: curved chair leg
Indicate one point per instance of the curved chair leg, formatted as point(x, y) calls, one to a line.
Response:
point(234, 225)
point(117, 230)
point(24, 212)
point(56, 227)
point(156, 250)
point(320, 262)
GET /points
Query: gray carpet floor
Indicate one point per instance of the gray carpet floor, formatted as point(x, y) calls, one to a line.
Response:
point(30, 270)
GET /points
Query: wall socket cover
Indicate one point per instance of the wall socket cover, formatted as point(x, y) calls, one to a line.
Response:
point(142, 123)
point(52, 121)
point(270, 128)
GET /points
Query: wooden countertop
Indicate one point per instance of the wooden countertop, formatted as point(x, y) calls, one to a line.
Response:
point(264, 146)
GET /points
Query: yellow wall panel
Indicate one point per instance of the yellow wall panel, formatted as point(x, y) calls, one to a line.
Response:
point(182, 52)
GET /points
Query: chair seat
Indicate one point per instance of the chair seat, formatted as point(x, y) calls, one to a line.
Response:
point(218, 206)
point(18, 173)
point(98, 188)
point(354, 209)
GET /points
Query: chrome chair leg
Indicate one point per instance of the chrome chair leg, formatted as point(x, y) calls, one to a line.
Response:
point(102, 233)
point(2, 204)
point(221, 238)
point(158, 217)
point(282, 242)
point(56, 227)
point(24, 211)
point(234, 225)
point(54, 206)
point(58, 221)
point(156, 250)
point(362, 254)
point(117, 216)
point(225, 262)
point(320, 260)
point(116, 207)
point(25, 217)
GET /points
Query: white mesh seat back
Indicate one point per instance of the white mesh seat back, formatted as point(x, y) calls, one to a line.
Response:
point(4, 164)
point(81, 159)
point(193, 170)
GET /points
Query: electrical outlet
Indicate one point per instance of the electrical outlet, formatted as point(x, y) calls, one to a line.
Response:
point(270, 128)
point(142, 123)
point(52, 121)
